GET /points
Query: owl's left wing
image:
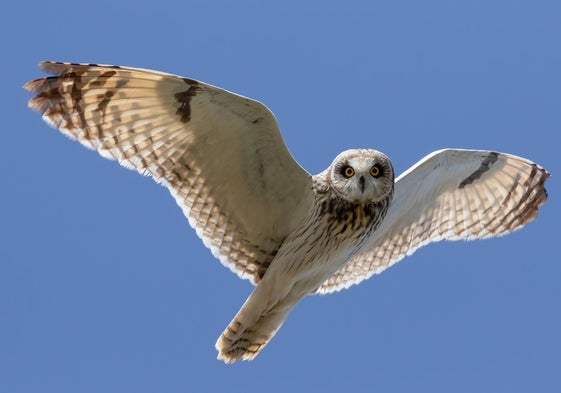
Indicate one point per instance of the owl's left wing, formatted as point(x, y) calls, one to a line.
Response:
point(450, 194)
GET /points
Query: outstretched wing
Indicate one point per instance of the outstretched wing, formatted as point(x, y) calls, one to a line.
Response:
point(449, 195)
point(220, 154)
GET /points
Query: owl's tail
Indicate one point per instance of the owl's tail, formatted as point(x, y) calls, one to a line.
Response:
point(253, 326)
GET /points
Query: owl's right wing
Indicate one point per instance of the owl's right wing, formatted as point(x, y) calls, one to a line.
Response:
point(450, 194)
point(220, 154)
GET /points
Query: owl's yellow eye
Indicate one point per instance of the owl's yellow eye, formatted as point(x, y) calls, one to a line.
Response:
point(348, 171)
point(375, 171)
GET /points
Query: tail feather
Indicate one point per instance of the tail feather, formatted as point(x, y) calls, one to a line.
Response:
point(252, 327)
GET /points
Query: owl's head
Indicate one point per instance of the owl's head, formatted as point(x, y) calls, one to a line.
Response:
point(362, 176)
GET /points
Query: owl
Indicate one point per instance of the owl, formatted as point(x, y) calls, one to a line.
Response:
point(222, 157)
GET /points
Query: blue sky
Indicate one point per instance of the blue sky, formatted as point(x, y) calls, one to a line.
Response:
point(104, 287)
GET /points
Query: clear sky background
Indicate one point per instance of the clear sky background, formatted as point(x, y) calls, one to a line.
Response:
point(104, 287)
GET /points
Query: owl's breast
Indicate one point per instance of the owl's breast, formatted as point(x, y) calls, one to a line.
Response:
point(332, 232)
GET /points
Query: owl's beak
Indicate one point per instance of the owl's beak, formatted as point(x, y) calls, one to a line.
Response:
point(361, 181)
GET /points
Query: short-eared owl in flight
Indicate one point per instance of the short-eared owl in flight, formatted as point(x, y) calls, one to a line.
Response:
point(290, 233)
